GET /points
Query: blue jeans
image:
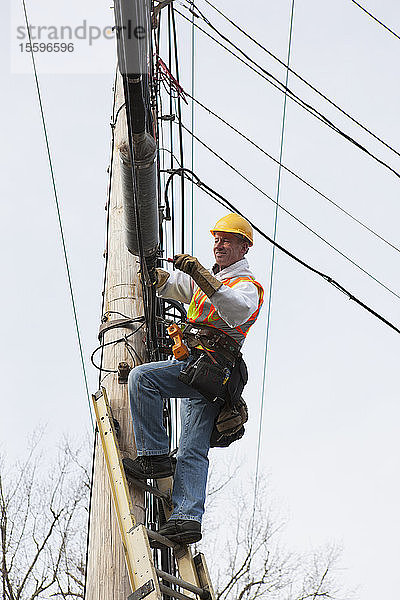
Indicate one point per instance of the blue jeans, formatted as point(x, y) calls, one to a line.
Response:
point(149, 384)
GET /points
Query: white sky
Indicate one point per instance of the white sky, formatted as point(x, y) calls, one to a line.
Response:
point(330, 435)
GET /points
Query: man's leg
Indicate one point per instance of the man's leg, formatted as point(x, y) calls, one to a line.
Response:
point(190, 482)
point(151, 439)
point(146, 399)
point(149, 384)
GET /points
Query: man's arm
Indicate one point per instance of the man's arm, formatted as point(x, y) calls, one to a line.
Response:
point(191, 265)
point(236, 304)
point(178, 286)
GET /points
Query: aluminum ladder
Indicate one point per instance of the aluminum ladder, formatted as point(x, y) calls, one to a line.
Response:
point(146, 580)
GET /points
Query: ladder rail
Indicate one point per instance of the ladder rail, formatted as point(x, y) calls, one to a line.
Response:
point(146, 580)
point(134, 538)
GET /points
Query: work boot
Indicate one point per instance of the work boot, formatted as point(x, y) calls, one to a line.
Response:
point(181, 531)
point(149, 467)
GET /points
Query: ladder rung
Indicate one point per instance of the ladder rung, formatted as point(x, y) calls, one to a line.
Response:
point(204, 594)
point(149, 488)
point(153, 535)
point(173, 593)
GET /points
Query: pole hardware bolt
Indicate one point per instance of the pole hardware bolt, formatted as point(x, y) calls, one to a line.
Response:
point(123, 372)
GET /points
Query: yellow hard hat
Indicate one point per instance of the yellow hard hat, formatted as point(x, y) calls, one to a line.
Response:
point(234, 223)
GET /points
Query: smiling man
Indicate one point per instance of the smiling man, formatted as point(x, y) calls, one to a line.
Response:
point(224, 302)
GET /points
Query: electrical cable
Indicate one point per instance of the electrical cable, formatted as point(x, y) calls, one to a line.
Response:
point(228, 205)
point(302, 79)
point(166, 197)
point(179, 111)
point(171, 127)
point(171, 153)
point(151, 504)
point(284, 209)
point(377, 20)
point(58, 211)
point(280, 86)
point(113, 342)
point(148, 307)
point(116, 312)
point(296, 175)
point(271, 278)
point(192, 128)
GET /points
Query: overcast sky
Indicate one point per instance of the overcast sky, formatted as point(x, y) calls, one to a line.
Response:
point(331, 407)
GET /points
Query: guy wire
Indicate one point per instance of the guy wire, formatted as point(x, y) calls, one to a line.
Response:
point(58, 211)
point(270, 286)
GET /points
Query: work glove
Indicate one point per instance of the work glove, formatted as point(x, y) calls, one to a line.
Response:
point(190, 265)
point(162, 277)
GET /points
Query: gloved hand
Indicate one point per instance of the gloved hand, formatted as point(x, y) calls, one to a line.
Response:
point(190, 265)
point(162, 277)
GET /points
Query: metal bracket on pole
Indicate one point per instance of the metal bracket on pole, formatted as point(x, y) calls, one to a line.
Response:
point(160, 6)
point(143, 591)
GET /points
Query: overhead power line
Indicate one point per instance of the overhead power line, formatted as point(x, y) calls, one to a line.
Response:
point(275, 82)
point(302, 79)
point(57, 206)
point(179, 111)
point(375, 19)
point(272, 270)
point(284, 209)
point(296, 175)
point(228, 205)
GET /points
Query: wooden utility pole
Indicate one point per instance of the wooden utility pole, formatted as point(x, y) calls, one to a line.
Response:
point(107, 577)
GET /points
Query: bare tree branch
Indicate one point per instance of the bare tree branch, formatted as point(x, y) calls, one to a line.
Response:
point(42, 553)
point(252, 564)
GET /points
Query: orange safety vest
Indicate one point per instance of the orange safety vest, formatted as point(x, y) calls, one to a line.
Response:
point(201, 311)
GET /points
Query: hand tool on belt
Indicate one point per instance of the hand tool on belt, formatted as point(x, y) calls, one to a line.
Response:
point(209, 338)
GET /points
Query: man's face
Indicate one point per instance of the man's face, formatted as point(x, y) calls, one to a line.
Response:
point(228, 249)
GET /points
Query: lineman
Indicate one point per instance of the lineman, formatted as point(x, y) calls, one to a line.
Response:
point(223, 304)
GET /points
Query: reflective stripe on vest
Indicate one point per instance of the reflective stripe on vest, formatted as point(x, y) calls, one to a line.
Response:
point(209, 316)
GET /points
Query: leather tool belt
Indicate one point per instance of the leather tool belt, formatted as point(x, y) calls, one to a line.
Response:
point(219, 377)
point(212, 339)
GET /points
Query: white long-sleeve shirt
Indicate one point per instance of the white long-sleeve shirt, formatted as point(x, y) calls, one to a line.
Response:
point(235, 304)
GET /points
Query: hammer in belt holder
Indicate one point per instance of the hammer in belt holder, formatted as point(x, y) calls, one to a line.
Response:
point(207, 376)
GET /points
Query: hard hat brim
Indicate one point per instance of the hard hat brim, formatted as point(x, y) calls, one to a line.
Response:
point(235, 232)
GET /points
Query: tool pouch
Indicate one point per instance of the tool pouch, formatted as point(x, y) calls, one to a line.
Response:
point(229, 425)
point(207, 377)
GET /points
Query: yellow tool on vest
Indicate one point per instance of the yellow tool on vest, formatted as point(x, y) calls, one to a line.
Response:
point(179, 349)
